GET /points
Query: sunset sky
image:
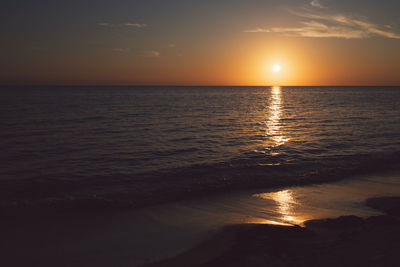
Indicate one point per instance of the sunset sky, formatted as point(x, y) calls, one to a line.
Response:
point(208, 42)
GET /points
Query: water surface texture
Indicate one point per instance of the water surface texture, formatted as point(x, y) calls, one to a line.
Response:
point(142, 145)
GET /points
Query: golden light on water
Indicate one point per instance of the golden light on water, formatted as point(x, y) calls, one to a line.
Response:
point(263, 221)
point(285, 201)
point(274, 131)
point(285, 206)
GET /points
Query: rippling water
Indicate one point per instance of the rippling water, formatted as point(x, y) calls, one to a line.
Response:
point(141, 145)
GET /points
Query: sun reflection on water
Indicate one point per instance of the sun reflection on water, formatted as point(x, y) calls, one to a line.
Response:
point(275, 115)
point(285, 206)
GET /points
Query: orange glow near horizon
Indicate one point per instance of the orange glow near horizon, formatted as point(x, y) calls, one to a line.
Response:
point(173, 44)
point(251, 63)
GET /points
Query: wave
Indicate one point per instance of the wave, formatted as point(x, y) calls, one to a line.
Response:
point(115, 191)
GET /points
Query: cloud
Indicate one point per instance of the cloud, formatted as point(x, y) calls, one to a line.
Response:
point(258, 30)
point(150, 54)
point(171, 45)
point(316, 3)
point(320, 25)
point(127, 24)
point(137, 25)
point(320, 30)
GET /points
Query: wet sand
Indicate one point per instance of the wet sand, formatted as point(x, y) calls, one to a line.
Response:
point(344, 241)
point(89, 236)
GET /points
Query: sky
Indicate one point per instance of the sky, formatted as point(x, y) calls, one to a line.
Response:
point(208, 42)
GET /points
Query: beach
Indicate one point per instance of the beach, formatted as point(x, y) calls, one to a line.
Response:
point(208, 227)
point(343, 241)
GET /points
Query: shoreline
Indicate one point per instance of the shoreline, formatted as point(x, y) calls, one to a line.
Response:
point(135, 237)
point(343, 241)
point(106, 203)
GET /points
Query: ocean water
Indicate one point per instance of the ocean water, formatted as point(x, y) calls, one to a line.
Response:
point(137, 146)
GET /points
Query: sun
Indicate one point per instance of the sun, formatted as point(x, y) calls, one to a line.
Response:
point(276, 68)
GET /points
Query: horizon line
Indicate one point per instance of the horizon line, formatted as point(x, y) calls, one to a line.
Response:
point(187, 85)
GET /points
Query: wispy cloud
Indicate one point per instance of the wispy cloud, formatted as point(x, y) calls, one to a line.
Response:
point(316, 3)
point(137, 25)
point(171, 45)
point(150, 53)
point(259, 30)
point(127, 24)
point(324, 25)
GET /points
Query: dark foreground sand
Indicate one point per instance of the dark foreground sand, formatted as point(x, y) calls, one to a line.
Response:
point(345, 241)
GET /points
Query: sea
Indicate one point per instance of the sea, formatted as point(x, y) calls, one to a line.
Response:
point(125, 176)
point(136, 146)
